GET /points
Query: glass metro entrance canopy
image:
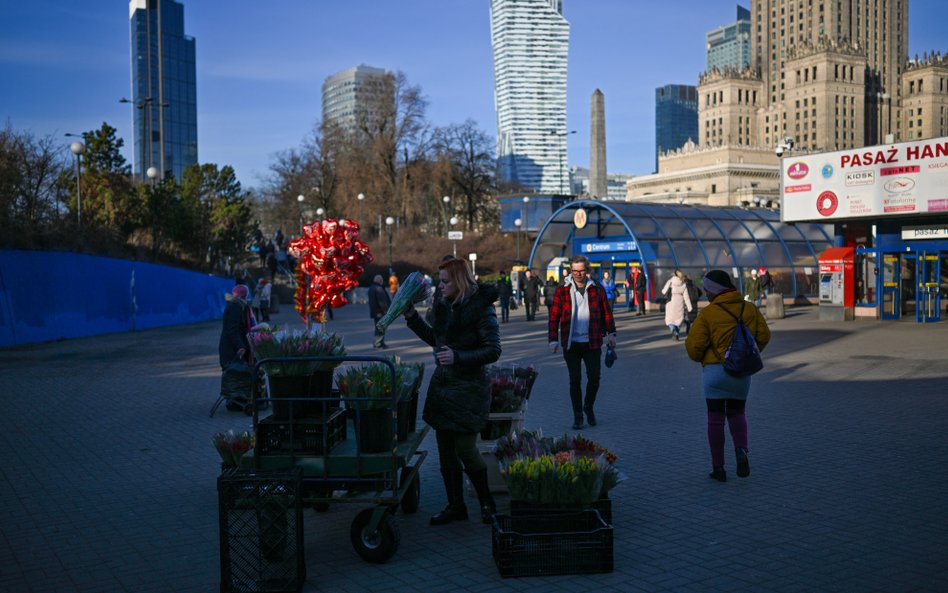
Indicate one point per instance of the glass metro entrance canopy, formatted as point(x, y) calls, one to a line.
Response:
point(663, 237)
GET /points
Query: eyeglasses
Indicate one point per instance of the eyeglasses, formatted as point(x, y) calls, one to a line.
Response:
point(578, 271)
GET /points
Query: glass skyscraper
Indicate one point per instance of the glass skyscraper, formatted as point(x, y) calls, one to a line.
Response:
point(164, 89)
point(530, 42)
point(676, 117)
point(730, 46)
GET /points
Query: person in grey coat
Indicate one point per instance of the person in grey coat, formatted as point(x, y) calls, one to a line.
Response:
point(465, 336)
point(379, 301)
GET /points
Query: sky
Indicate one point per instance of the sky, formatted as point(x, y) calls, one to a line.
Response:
point(64, 65)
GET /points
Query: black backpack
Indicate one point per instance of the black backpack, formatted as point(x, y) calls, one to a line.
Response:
point(743, 356)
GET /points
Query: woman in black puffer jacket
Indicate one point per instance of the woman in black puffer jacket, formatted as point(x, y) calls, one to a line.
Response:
point(466, 338)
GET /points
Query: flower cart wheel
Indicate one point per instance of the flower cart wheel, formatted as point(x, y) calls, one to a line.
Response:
point(375, 547)
point(412, 497)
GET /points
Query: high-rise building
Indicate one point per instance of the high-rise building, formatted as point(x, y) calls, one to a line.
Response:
point(830, 74)
point(351, 95)
point(530, 42)
point(164, 88)
point(730, 46)
point(676, 117)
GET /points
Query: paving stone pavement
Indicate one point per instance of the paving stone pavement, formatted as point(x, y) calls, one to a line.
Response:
point(109, 476)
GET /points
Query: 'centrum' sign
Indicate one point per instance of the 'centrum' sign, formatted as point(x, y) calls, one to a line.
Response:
point(606, 246)
point(909, 179)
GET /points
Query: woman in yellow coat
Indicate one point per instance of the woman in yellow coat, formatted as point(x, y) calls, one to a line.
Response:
point(726, 395)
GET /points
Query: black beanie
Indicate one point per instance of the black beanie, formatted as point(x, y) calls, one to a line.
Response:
point(720, 277)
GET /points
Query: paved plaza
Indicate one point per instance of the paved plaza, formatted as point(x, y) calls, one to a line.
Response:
point(109, 475)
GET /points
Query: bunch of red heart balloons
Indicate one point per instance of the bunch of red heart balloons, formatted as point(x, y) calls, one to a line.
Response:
point(331, 259)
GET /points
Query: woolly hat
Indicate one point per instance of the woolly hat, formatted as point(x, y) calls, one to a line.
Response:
point(240, 291)
point(717, 281)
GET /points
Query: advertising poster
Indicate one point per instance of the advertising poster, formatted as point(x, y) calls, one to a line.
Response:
point(910, 178)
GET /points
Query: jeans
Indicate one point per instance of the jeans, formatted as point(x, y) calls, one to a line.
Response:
point(504, 308)
point(580, 353)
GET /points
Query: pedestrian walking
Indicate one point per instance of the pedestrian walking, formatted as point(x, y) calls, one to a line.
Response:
point(531, 294)
point(636, 283)
point(610, 287)
point(678, 303)
point(579, 320)
point(549, 291)
point(266, 290)
point(379, 302)
point(752, 288)
point(234, 350)
point(465, 336)
point(725, 395)
point(766, 281)
point(694, 293)
point(505, 291)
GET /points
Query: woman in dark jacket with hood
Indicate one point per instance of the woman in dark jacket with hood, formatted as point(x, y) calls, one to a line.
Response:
point(466, 338)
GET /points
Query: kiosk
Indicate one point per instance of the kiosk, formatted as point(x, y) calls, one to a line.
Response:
point(837, 295)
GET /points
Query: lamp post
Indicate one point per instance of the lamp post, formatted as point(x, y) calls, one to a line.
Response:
point(447, 201)
point(300, 199)
point(77, 149)
point(320, 212)
point(561, 135)
point(361, 198)
point(454, 243)
point(389, 221)
point(517, 223)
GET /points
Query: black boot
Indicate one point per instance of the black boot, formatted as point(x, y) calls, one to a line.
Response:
point(456, 509)
point(486, 499)
point(577, 420)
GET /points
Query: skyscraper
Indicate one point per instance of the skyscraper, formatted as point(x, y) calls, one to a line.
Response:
point(351, 94)
point(530, 42)
point(164, 88)
point(676, 117)
point(730, 46)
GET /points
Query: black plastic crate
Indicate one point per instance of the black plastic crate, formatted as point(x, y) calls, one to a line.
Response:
point(603, 505)
point(261, 532)
point(305, 436)
point(552, 544)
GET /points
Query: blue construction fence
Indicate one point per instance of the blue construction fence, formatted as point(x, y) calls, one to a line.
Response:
point(48, 296)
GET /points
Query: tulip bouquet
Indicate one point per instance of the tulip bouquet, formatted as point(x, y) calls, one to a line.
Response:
point(231, 446)
point(370, 387)
point(276, 343)
point(560, 479)
point(572, 457)
point(414, 289)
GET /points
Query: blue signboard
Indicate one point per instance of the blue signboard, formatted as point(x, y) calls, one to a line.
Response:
point(607, 246)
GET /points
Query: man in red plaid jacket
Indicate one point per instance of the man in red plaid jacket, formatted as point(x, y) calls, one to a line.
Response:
point(579, 320)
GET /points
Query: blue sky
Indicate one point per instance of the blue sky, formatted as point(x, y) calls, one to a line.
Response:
point(64, 64)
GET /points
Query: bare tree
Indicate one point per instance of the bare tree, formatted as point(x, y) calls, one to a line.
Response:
point(469, 150)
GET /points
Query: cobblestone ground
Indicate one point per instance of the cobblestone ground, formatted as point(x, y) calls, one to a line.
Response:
point(109, 476)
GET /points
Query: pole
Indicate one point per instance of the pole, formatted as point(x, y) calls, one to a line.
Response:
point(454, 244)
point(78, 194)
point(390, 269)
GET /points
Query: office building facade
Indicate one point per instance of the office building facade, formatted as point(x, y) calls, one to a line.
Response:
point(676, 117)
point(530, 43)
point(352, 95)
point(729, 47)
point(164, 88)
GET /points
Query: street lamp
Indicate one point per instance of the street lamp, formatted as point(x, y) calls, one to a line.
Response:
point(300, 199)
point(320, 211)
point(561, 135)
point(389, 221)
point(361, 198)
point(454, 243)
point(152, 174)
point(517, 223)
point(444, 211)
point(78, 148)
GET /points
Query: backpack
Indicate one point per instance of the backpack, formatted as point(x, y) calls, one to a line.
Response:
point(743, 356)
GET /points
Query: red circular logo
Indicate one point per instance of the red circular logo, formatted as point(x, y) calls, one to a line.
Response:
point(827, 203)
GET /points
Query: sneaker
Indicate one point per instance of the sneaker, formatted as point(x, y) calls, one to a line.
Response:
point(743, 465)
point(718, 474)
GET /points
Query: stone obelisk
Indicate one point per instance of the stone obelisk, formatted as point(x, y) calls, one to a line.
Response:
point(598, 185)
